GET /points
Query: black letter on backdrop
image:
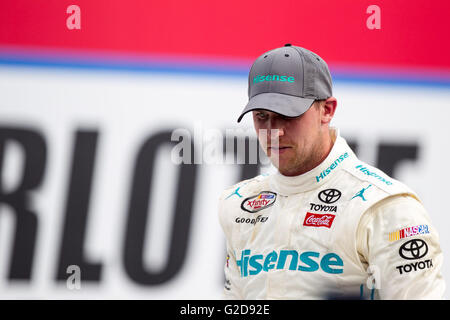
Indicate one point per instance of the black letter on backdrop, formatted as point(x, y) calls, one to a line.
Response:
point(133, 251)
point(77, 208)
point(35, 150)
point(390, 155)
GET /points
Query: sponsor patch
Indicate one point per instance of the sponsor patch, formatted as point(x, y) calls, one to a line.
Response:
point(413, 249)
point(329, 195)
point(333, 166)
point(259, 202)
point(360, 193)
point(373, 174)
point(235, 192)
point(415, 266)
point(408, 232)
point(322, 207)
point(318, 220)
point(259, 218)
point(308, 261)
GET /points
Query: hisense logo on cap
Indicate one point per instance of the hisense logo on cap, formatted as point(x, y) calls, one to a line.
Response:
point(273, 77)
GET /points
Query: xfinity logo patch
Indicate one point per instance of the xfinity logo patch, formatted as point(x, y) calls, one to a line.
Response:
point(259, 202)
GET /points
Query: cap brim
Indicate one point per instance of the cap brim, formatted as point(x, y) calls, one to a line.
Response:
point(287, 105)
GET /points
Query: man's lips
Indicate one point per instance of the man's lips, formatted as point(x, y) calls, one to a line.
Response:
point(278, 149)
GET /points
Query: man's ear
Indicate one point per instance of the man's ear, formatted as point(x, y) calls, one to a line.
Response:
point(328, 109)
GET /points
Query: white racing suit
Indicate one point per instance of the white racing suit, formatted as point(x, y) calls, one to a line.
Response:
point(342, 230)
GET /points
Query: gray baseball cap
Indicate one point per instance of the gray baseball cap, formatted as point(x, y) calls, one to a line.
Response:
point(287, 80)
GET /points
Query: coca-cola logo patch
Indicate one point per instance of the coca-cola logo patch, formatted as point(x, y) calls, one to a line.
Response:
point(259, 202)
point(318, 220)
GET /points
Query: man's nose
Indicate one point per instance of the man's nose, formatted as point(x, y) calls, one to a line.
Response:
point(276, 133)
point(274, 136)
point(275, 129)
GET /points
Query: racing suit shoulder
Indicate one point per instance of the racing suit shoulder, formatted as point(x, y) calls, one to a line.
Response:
point(373, 177)
point(366, 188)
point(396, 240)
point(229, 203)
point(243, 187)
point(232, 197)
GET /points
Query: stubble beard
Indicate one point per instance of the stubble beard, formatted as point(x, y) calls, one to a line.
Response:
point(302, 161)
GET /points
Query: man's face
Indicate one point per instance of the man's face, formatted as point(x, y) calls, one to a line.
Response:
point(296, 143)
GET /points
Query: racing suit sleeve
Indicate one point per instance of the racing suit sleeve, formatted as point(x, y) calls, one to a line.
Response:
point(231, 289)
point(232, 274)
point(400, 249)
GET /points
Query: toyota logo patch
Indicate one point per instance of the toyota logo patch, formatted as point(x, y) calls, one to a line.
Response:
point(329, 195)
point(413, 249)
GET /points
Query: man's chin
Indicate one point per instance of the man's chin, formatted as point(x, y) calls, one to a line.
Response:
point(288, 172)
point(284, 167)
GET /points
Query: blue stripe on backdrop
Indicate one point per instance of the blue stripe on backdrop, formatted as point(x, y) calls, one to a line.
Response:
point(215, 68)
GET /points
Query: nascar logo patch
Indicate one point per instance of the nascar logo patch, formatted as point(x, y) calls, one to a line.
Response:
point(408, 232)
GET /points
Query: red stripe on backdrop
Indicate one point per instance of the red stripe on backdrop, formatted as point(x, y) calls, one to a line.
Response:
point(412, 34)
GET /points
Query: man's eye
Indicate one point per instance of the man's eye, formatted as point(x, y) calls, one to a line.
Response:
point(261, 116)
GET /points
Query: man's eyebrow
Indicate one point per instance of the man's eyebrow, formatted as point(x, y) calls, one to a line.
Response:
point(261, 111)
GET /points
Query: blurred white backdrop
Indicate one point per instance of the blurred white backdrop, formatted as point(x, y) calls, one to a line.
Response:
point(125, 109)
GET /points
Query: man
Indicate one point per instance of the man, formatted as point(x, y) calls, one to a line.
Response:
point(326, 225)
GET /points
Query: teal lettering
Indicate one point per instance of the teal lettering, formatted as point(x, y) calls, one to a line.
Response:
point(282, 259)
point(319, 177)
point(243, 263)
point(373, 174)
point(255, 264)
point(333, 166)
point(272, 77)
point(331, 259)
point(307, 262)
point(305, 257)
point(269, 262)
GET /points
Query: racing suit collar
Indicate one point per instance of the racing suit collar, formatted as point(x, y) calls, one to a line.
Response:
point(337, 159)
